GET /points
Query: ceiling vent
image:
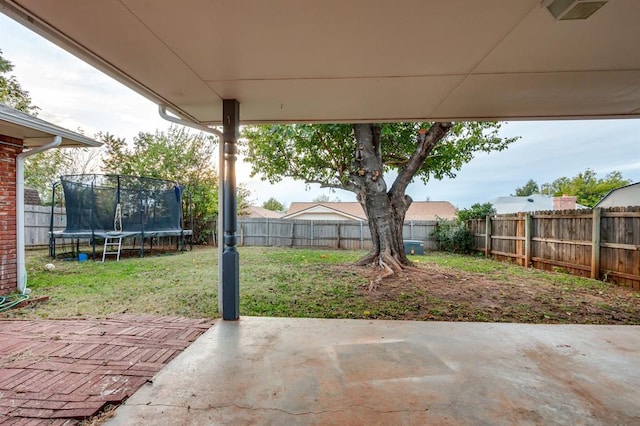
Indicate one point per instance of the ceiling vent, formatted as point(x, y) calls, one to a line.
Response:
point(566, 10)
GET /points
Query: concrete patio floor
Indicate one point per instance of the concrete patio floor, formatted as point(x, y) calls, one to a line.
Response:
point(283, 371)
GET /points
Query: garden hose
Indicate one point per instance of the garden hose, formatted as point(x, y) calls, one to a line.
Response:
point(8, 302)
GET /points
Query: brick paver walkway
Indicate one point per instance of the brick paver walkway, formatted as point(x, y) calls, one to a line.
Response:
point(54, 372)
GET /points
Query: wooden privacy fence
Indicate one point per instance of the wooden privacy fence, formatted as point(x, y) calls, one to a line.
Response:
point(37, 220)
point(599, 243)
point(351, 235)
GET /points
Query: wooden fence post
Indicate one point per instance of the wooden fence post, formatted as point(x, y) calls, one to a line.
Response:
point(487, 236)
point(595, 243)
point(267, 240)
point(293, 224)
point(338, 230)
point(527, 240)
point(520, 238)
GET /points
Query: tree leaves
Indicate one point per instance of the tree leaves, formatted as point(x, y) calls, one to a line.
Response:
point(177, 155)
point(586, 186)
point(42, 170)
point(529, 188)
point(11, 93)
point(311, 153)
point(476, 211)
point(273, 205)
point(324, 153)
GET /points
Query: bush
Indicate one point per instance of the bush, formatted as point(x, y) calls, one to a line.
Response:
point(477, 211)
point(454, 237)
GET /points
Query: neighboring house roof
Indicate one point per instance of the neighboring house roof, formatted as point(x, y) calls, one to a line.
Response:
point(531, 203)
point(346, 211)
point(31, 197)
point(419, 210)
point(625, 196)
point(431, 210)
point(260, 212)
point(36, 132)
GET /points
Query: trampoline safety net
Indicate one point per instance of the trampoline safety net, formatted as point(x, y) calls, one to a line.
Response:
point(108, 203)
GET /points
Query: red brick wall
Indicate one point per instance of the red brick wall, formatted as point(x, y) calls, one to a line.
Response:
point(8, 273)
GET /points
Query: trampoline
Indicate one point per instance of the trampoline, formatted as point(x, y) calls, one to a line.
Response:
point(120, 206)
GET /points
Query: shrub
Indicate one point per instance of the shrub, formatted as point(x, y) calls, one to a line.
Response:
point(477, 211)
point(454, 237)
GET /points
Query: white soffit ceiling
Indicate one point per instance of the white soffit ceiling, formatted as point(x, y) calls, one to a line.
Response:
point(355, 60)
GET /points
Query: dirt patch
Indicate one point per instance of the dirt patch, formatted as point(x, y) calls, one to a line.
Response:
point(432, 292)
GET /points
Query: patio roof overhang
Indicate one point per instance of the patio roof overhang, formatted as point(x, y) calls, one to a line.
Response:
point(353, 60)
point(37, 135)
point(35, 132)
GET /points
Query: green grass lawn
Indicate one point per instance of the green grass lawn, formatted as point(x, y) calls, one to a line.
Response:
point(278, 282)
point(323, 284)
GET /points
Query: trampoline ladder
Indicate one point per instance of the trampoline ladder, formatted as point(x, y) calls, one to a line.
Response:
point(109, 245)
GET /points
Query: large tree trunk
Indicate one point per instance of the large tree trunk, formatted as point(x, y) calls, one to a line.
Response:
point(386, 209)
point(385, 222)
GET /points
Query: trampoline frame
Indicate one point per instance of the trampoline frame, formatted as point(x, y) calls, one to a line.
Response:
point(186, 235)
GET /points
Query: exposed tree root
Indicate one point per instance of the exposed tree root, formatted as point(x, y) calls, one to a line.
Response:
point(387, 263)
point(367, 260)
point(391, 261)
point(411, 268)
point(387, 273)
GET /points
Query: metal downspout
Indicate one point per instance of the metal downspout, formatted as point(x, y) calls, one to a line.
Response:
point(20, 235)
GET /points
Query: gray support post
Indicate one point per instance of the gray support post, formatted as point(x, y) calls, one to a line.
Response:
point(230, 256)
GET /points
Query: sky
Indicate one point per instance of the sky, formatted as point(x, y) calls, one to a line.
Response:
point(72, 94)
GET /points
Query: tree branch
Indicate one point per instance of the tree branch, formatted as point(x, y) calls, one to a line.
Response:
point(330, 158)
point(426, 141)
point(396, 163)
point(349, 186)
point(398, 158)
